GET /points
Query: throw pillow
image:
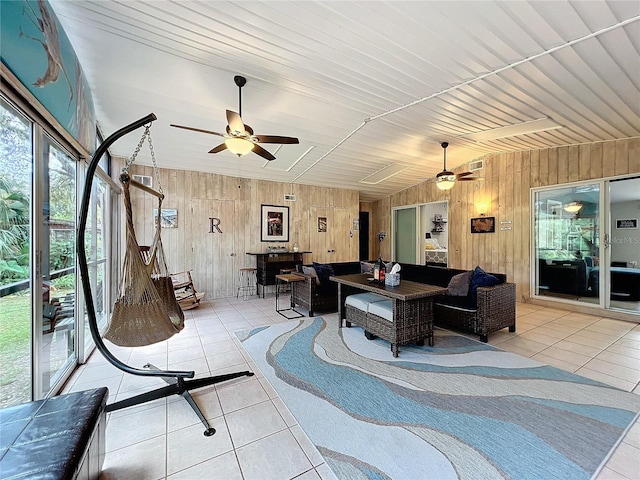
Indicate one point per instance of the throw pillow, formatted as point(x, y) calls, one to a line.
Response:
point(366, 267)
point(311, 271)
point(324, 271)
point(459, 284)
point(480, 278)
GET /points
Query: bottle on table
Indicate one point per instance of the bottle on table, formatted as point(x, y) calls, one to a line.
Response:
point(381, 271)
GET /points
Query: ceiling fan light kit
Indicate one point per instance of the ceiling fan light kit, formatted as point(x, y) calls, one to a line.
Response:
point(445, 180)
point(572, 207)
point(239, 146)
point(239, 138)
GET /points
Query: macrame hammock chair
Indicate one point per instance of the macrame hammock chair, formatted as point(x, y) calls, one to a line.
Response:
point(146, 310)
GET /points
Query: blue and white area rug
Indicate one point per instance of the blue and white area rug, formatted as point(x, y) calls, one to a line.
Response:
point(459, 410)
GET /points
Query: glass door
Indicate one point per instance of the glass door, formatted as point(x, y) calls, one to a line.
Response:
point(405, 239)
point(566, 256)
point(56, 266)
point(622, 241)
point(16, 171)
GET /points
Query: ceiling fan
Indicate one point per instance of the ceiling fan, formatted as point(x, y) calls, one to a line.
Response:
point(445, 180)
point(239, 137)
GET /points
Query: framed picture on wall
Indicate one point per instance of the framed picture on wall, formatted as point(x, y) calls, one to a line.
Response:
point(274, 225)
point(168, 217)
point(322, 224)
point(483, 225)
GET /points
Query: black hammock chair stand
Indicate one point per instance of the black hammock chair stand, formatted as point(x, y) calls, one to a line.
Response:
point(176, 380)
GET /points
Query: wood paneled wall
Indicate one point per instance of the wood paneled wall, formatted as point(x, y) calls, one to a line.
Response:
point(509, 178)
point(199, 196)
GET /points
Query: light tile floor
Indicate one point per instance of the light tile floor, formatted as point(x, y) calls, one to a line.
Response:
point(257, 438)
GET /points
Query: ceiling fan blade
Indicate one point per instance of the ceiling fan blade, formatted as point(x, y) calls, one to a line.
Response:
point(464, 174)
point(235, 122)
point(197, 130)
point(469, 179)
point(275, 139)
point(262, 152)
point(219, 148)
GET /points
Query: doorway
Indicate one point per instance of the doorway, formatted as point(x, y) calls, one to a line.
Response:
point(363, 254)
point(622, 240)
point(586, 245)
point(405, 240)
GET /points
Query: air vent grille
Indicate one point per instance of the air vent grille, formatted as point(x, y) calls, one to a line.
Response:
point(146, 180)
point(289, 197)
point(476, 165)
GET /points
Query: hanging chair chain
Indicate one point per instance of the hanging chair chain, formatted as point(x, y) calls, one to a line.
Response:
point(147, 135)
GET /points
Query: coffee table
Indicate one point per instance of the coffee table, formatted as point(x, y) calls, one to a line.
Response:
point(412, 308)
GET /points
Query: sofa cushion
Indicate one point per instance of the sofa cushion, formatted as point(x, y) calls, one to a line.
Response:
point(311, 271)
point(480, 278)
point(366, 267)
point(346, 268)
point(466, 303)
point(383, 309)
point(324, 271)
point(459, 284)
point(361, 301)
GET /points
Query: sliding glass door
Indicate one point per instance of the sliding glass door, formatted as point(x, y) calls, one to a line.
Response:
point(16, 171)
point(57, 195)
point(622, 242)
point(567, 246)
point(586, 245)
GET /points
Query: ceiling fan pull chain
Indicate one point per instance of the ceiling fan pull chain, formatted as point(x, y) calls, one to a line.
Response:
point(132, 159)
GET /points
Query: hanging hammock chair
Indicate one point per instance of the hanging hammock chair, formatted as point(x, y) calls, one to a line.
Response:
point(136, 294)
point(146, 310)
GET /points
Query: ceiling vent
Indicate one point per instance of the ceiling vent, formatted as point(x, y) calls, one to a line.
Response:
point(476, 165)
point(289, 197)
point(145, 180)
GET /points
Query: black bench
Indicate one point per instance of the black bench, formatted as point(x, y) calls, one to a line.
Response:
point(61, 437)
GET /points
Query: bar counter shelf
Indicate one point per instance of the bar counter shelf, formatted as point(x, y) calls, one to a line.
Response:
point(269, 265)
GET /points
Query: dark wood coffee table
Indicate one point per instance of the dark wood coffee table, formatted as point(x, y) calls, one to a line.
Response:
point(412, 308)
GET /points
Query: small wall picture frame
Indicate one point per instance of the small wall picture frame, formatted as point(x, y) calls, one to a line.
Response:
point(274, 223)
point(168, 217)
point(322, 224)
point(483, 225)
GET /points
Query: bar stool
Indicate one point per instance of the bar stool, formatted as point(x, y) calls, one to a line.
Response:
point(247, 282)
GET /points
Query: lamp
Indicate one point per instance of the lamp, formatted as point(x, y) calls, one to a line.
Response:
point(445, 180)
point(239, 146)
point(572, 207)
point(482, 208)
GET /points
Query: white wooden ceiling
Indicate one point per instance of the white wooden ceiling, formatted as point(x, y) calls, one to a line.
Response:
point(363, 85)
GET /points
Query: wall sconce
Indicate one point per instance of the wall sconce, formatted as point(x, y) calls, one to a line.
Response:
point(573, 207)
point(482, 208)
point(381, 236)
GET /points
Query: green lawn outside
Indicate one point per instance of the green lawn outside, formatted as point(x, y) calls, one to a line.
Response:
point(15, 348)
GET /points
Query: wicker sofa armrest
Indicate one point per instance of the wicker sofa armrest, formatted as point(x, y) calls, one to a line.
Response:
point(496, 308)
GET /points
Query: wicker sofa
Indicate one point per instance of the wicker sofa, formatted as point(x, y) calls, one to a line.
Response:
point(320, 295)
point(485, 311)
